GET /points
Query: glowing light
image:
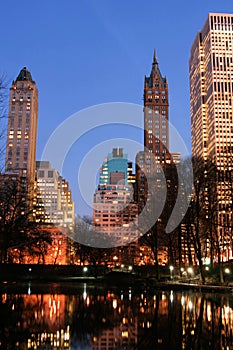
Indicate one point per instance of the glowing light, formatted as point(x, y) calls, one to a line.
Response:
point(125, 334)
point(190, 305)
point(164, 297)
point(29, 288)
point(171, 270)
point(85, 291)
point(190, 270)
point(209, 313)
point(171, 296)
point(114, 303)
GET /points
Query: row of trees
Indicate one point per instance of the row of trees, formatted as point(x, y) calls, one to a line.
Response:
point(205, 233)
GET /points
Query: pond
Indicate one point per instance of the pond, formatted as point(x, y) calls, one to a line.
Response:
point(83, 316)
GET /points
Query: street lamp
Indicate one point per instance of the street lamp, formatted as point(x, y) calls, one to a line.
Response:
point(171, 271)
point(227, 270)
point(115, 258)
point(190, 271)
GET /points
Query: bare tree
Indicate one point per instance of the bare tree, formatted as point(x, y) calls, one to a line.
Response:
point(162, 187)
point(18, 231)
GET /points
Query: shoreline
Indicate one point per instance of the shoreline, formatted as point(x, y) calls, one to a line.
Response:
point(118, 280)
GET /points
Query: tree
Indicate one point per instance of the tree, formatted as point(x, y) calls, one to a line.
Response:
point(84, 239)
point(18, 231)
point(159, 200)
point(198, 219)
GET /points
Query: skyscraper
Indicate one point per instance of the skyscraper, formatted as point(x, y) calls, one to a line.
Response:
point(114, 208)
point(22, 126)
point(211, 97)
point(114, 168)
point(54, 197)
point(156, 112)
point(211, 87)
point(156, 131)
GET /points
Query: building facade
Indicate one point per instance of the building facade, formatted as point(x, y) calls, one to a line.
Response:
point(22, 126)
point(211, 98)
point(211, 87)
point(156, 138)
point(114, 168)
point(114, 208)
point(54, 197)
point(156, 132)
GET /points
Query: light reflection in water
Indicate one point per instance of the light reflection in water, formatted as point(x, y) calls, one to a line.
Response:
point(96, 319)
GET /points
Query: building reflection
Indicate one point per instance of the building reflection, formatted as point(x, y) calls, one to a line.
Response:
point(100, 319)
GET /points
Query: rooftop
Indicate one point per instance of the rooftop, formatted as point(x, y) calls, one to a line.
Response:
point(24, 75)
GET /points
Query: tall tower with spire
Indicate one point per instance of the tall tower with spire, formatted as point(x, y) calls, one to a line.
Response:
point(156, 131)
point(22, 126)
point(156, 112)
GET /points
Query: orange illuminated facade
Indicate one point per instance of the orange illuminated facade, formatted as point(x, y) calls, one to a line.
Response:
point(55, 251)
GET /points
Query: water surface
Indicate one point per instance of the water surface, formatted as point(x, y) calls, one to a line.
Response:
point(62, 316)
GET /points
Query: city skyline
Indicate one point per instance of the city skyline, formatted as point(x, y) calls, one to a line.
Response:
point(136, 129)
point(65, 88)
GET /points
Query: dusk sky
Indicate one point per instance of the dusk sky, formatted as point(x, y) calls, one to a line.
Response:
point(83, 53)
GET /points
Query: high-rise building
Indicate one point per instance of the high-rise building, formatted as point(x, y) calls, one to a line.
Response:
point(156, 131)
point(211, 99)
point(53, 197)
point(114, 168)
point(22, 126)
point(156, 112)
point(211, 87)
point(155, 166)
point(114, 207)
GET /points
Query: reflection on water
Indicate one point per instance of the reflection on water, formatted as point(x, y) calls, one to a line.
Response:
point(84, 317)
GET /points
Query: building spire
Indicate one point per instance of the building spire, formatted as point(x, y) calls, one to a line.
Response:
point(155, 58)
point(24, 75)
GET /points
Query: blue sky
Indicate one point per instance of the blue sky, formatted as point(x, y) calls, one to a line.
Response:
point(82, 53)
